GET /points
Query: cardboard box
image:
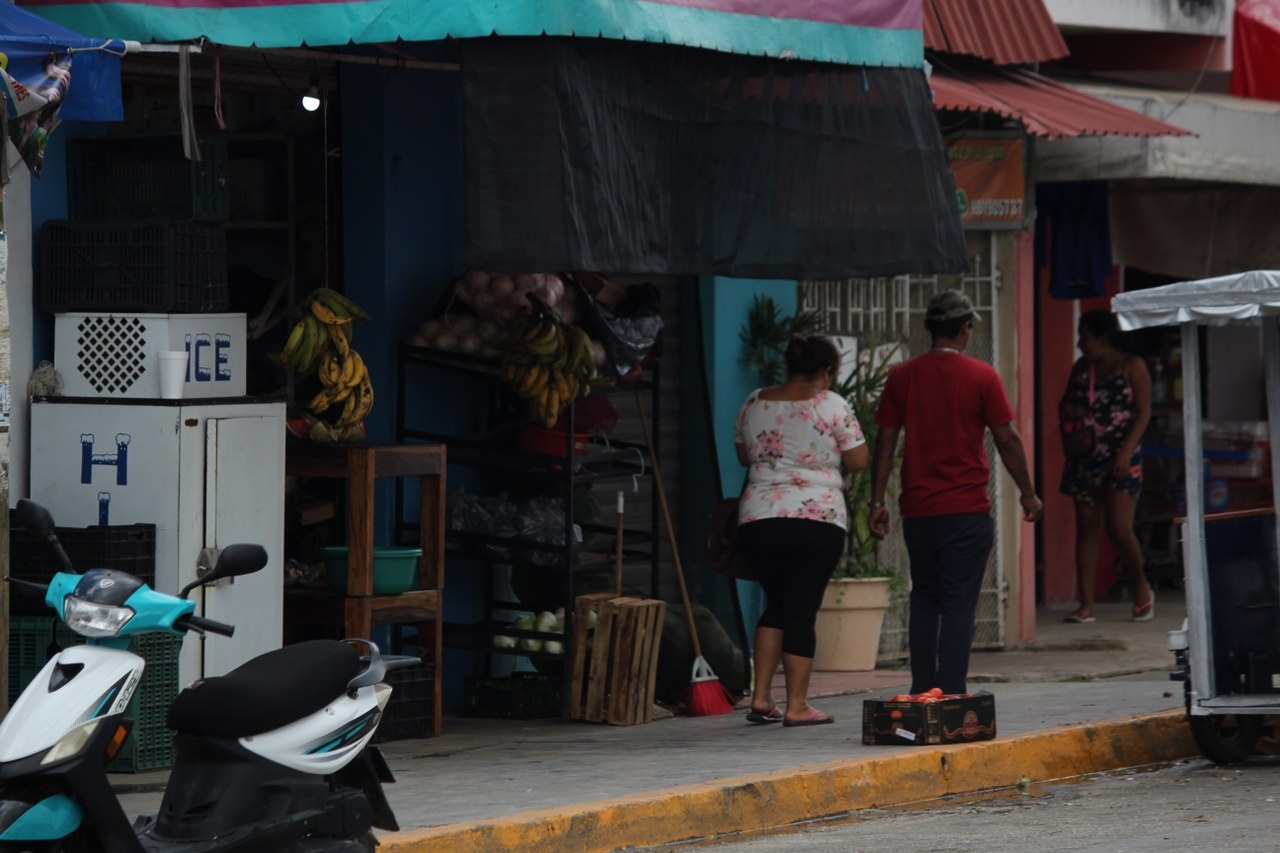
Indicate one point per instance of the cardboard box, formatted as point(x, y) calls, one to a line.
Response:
point(962, 719)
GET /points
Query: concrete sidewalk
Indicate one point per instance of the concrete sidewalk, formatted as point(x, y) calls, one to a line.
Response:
point(1081, 698)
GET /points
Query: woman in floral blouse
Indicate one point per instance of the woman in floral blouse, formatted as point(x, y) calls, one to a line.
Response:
point(797, 439)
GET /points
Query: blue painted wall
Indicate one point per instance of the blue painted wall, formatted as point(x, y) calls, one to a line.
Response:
point(726, 305)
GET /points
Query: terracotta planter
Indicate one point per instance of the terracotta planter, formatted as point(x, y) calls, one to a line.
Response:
point(849, 623)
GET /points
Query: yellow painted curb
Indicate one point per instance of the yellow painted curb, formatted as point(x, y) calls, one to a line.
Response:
point(813, 791)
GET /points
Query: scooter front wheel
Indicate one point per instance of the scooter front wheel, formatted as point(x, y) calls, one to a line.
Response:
point(1226, 738)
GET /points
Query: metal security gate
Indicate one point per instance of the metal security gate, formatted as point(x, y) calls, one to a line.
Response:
point(887, 310)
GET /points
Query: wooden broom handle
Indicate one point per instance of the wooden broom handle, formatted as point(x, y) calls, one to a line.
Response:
point(671, 533)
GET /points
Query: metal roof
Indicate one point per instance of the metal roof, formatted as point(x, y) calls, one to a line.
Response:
point(1007, 32)
point(1045, 107)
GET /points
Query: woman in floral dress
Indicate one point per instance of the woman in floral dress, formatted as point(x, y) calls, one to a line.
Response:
point(1114, 388)
point(797, 439)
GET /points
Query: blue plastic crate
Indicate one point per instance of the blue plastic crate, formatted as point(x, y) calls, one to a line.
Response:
point(150, 744)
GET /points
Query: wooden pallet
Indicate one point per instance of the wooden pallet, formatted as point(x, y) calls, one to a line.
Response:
point(615, 665)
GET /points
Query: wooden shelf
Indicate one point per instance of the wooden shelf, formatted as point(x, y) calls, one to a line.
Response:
point(359, 465)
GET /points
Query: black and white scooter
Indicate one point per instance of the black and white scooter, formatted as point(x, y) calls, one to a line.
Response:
point(273, 756)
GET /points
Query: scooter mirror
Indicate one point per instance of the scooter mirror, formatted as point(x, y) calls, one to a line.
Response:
point(233, 561)
point(34, 517)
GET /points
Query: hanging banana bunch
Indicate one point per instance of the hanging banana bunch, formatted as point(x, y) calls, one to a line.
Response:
point(547, 362)
point(320, 344)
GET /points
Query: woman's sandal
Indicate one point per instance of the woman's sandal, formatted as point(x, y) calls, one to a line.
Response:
point(1145, 612)
point(756, 718)
point(1081, 617)
point(815, 718)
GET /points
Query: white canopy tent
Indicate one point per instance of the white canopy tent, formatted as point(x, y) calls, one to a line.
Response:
point(1207, 301)
point(1254, 298)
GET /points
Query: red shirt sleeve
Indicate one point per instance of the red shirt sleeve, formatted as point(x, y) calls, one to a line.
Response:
point(889, 412)
point(995, 403)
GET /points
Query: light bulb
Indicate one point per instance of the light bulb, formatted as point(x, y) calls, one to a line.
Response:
point(311, 100)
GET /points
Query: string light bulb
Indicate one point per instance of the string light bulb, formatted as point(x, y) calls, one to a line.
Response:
point(311, 100)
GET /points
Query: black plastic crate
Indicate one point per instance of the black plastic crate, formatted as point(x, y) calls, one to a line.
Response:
point(138, 178)
point(408, 712)
point(154, 266)
point(519, 696)
point(127, 547)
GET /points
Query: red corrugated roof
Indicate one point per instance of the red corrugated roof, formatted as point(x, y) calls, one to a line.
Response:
point(1006, 32)
point(1045, 107)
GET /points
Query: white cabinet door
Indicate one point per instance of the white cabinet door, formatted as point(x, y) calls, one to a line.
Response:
point(244, 502)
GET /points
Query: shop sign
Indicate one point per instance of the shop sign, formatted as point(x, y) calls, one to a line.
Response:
point(990, 180)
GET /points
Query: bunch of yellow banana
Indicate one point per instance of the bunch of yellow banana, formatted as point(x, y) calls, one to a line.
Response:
point(548, 363)
point(321, 342)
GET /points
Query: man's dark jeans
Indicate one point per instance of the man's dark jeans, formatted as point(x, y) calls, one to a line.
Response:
point(948, 559)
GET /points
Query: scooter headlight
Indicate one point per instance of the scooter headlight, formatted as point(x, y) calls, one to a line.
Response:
point(90, 619)
point(71, 743)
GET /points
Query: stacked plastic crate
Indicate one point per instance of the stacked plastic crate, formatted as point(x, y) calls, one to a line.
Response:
point(144, 231)
point(35, 634)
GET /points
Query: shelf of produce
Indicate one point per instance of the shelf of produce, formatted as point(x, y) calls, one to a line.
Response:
point(502, 443)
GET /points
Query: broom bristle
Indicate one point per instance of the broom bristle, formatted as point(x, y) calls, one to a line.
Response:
point(707, 696)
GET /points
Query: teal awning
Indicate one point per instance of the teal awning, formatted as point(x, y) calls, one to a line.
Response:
point(866, 32)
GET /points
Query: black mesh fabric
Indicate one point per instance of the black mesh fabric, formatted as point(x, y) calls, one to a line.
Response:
point(644, 158)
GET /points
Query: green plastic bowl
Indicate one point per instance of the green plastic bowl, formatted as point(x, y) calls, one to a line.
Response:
point(394, 569)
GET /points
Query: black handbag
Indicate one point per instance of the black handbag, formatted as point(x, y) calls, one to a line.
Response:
point(722, 553)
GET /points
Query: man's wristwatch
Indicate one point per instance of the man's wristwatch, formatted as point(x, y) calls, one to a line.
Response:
point(874, 504)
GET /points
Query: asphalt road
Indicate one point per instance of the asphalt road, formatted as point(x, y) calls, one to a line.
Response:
point(1192, 805)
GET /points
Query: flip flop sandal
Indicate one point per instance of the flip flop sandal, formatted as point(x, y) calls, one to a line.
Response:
point(755, 718)
point(815, 718)
point(1145, 612)
point(1076, 617)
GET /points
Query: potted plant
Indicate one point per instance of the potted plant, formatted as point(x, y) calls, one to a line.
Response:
point(853, 606)
point(764, 338)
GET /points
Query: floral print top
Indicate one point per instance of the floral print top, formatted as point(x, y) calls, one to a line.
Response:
point(795, 448)
point(1113, 409)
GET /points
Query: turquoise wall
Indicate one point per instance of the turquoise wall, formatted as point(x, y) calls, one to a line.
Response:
point(726, 305)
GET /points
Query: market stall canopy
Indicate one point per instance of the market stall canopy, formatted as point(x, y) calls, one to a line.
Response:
point(643, 158)
point(1255, 49)
point(868, 32)
point(39, 56)
point(1018, 31)
point(1208, 301)
point(1046, 108)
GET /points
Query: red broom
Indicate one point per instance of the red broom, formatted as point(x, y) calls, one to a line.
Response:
point(706, 695)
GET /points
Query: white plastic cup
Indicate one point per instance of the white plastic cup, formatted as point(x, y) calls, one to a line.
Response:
point(173, 373)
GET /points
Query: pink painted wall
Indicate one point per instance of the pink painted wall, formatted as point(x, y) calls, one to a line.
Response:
point(1056, 338)
point(1025, 419)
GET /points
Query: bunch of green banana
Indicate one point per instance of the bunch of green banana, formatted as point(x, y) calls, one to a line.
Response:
point(548, 363)
point(321, 342)
point(310, 336)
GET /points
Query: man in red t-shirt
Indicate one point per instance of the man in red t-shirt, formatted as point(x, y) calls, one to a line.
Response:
point(945, 402)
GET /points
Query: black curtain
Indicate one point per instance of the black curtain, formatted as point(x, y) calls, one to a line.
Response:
point(642, 158)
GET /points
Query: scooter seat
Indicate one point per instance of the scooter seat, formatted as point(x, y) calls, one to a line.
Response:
point(267, 692)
